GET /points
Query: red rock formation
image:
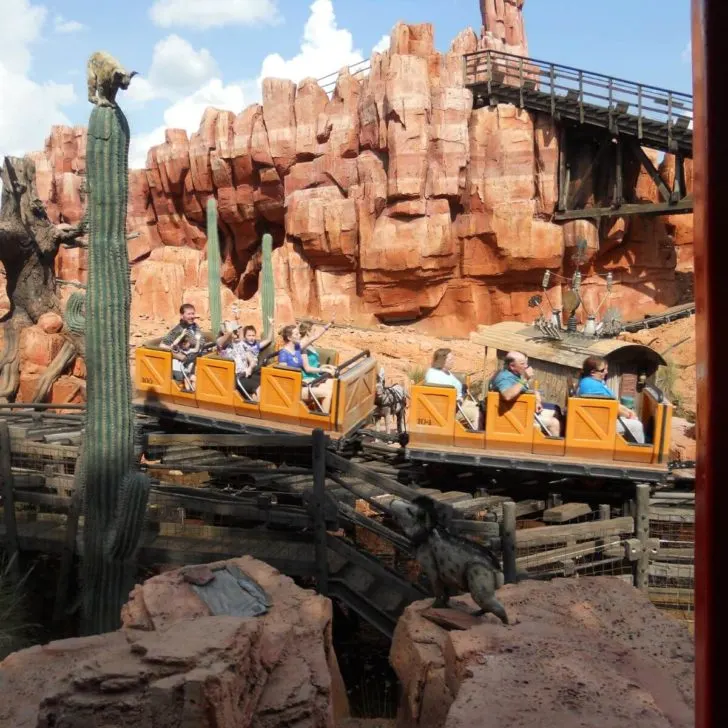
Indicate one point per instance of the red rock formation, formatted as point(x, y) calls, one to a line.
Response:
point(392, 200)
point(590, 651)
point(175, 664)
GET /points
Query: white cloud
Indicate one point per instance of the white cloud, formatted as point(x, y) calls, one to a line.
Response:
point(61, 25)
point(687, 55)
point(177, 70)
point(213, 13)
point(28, 109)
point(186, 114)
point(20, 27)
point(324, 48)
point(382, 45)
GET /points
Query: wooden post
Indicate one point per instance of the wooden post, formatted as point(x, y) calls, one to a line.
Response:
point(508, 542)
point(69, 550)
point(642, 534)
point(605, 512)
point(11, 527)
point(318, 504)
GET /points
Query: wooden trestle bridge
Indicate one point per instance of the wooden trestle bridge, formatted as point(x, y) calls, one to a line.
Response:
point(603, 122)
point(317, 514)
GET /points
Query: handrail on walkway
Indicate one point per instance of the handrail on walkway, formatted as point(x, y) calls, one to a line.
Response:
point(586, 91)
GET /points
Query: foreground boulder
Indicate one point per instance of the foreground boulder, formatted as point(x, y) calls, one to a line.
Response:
point(174, 664)
point(580, 652)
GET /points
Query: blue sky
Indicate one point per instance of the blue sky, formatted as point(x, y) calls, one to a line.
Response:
point(192, 53)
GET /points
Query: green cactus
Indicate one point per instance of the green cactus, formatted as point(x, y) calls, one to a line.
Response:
point(213, 267)
point(115, 492)
point(267, 287)
point(75, 317)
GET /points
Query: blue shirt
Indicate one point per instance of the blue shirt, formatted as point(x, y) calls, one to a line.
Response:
point(589, 385)
point(505, 379)
point(448, 379)
point(291, 359)
point(253, 348)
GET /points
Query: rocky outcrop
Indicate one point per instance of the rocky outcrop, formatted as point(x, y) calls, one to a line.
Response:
point(175, 664)
point(589, 651)
point(391, 200)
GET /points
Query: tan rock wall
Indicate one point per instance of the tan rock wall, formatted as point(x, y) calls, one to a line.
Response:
point(392, 200)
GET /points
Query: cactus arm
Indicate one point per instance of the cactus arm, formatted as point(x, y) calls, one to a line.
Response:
point(74, 315)
point(125, 534)
point(213, 267)
point(267, 288)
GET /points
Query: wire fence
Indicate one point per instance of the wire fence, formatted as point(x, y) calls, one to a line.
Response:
point(671, 571)
point(590, 543)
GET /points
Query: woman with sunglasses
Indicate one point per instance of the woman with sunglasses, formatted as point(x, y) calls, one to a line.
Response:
point(594, 372)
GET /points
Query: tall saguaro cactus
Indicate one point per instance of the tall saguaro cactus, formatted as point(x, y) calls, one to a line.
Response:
point(213, 267)
point(116, 493)
point(267, 286)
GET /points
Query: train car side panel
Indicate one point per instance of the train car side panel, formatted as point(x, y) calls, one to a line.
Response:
point(432, 414)
point(153, 371)
point(354, 395)
point(215, 383)
point(280, 394)
point(509, 425)
point(591, 427)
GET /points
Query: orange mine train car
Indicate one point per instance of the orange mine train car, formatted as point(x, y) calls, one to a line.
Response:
point(217, 403)
point(590, 445)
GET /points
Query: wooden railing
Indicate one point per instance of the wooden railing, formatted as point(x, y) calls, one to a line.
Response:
point(583, 89)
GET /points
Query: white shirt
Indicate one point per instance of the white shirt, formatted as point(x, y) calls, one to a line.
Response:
point(438, 376)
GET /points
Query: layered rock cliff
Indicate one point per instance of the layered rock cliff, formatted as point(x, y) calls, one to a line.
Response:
point(392, 200)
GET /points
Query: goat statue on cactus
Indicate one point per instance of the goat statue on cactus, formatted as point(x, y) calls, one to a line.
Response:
point(115, 492)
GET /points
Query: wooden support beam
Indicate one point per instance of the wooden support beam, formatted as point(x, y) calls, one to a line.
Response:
point(648, 208)
point(566, 512)
point(642, 532)
point(596, 160)
point(11, 526)
point(678, 187)
point(67, 554)
point(215, 439)
point(318, 504)
point(549, 535)
point(650, 168)
point(564, 170)
point(618, 192)
point(508, 542)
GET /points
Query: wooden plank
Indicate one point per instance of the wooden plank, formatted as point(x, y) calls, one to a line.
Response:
point(674, 554)
point(381, 481)
point(671, 595)
point(215, 439)
point(527, 507)
point(660, 208)
point(566, 512)
point(672, 515)
point(555, 534)
point(664, 570)
point(531, 561)
point(452, 497)
point(57, 453)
